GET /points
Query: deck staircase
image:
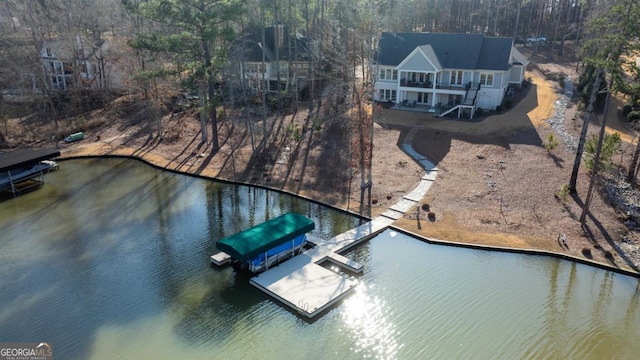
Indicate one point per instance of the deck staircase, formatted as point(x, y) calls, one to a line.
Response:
point(470, 97)
point(469, 100)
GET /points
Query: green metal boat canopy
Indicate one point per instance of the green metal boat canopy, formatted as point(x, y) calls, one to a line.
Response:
point(251, 242)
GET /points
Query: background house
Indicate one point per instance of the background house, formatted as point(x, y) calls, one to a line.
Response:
point(443, 73)
point(67, 63)
point(286, 58)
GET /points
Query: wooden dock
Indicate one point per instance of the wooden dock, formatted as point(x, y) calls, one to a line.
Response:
point(308, 288)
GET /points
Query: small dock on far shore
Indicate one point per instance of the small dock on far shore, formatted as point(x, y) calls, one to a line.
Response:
point(23, 169)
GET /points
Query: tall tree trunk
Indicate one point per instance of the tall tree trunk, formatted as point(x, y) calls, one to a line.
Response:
point(211, 96)
point(311, 62)
point(515, 28)
point(264, 85)
point(278, 32)
point(631, 177)
point(213, 112)
point(596, 158)
point(203, 117)
point(362, 147)
point(583, 133)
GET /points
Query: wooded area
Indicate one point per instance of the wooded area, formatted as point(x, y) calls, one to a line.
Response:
point(172, 52)
point(135, 46)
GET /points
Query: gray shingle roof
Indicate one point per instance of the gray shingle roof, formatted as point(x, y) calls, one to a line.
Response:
point(251, 45)
point(454, 51)
point(23, 157)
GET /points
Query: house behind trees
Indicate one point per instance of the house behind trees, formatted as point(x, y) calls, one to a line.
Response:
point(286, 59)
point(67, 64)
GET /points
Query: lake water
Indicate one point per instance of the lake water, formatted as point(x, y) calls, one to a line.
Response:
point(109, 260)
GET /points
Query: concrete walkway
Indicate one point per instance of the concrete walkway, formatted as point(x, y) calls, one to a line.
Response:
point(408, 201)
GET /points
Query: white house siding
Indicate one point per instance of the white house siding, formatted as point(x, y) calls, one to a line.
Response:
point(384, 84)
point(418, 63)
point(467, 77)
point(489, 98)
point(516, 74)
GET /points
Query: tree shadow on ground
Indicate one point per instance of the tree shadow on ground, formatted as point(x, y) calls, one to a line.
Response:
point(556, 160)
point(604, 234)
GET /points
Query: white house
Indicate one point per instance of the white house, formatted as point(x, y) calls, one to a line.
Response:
point(67, 63)
point(443, 73)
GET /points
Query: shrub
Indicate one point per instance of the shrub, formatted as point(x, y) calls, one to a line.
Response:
point(633, 116)
point(550, 143)
point(626, 110)
point(563, 192)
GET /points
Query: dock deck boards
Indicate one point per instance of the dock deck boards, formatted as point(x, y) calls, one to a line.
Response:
point(303, 285)
point(309, 288)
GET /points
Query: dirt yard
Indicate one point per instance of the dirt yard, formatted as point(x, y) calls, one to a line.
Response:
point(496, 183)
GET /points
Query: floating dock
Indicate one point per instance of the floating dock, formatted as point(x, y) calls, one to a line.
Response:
point(308, 288)
point(220, 258)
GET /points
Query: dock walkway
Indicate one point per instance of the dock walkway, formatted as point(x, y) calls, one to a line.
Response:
point(305, 286)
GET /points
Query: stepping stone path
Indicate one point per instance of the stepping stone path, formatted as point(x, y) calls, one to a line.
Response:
point(397, 210)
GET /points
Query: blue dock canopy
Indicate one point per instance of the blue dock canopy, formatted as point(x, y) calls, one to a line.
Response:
point(251, 242)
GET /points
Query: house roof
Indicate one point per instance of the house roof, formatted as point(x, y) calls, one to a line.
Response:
point(252, 47)
point(452, 51)
point(25, 157)
point(263, 237)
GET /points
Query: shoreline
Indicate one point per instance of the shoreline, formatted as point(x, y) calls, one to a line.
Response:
point(154, 161)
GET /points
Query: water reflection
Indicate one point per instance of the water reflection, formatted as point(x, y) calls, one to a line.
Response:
point(373, 334)
point(109, 260)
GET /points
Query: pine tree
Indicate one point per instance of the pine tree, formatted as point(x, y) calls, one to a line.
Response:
point(192, 32)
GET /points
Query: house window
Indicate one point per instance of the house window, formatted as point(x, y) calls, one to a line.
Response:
point(486, 79)
point(49, 52)
point(388, 74)
point(57, 82)
point(254, 68)
point(456, 77)
point(57, 68)
point(389, 95)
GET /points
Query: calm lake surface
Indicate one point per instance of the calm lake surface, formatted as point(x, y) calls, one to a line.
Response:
point(109, 260)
